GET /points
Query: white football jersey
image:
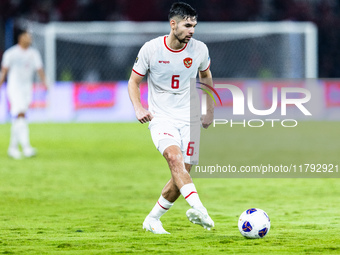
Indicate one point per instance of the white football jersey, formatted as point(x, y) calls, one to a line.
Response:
point(169, 73)
point(22, 64)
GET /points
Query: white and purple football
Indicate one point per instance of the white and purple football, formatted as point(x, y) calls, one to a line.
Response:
point(254, 223)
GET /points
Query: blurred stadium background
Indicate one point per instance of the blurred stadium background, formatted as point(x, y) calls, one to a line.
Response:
point(88, 48)
point(324, 13)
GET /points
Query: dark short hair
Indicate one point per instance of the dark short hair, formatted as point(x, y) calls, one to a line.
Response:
point(20, 32)
point(183, 10)
point(17, 33)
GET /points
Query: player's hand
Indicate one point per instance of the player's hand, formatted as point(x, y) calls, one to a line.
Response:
point(207, 119)
point(143, 115)
point(45, 85)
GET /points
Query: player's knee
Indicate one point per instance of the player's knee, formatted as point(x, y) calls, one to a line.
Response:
point(173, 156)
point(21, 115)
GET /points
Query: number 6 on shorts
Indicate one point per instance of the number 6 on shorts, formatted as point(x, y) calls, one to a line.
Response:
point(190, 150)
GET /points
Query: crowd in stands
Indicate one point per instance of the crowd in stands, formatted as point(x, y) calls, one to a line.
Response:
point(324, 13)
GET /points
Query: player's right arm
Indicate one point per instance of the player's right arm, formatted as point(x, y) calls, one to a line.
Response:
point(140, 68)
point(142, 114)
point(4, 71)
point(4, 67)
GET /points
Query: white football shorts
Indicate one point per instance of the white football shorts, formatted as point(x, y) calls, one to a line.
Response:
point(165, 132)
point(19, 99)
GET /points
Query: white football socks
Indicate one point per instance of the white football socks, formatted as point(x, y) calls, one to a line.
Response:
point(20, 134)
point(161, 207)
point(189, 192)
point(14, 141)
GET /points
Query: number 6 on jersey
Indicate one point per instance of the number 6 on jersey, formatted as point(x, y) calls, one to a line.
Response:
point(175, 82)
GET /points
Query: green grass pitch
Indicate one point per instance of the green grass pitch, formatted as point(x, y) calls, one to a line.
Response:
point(91, 186)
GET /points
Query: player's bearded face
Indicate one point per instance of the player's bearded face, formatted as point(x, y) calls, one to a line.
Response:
point(185, 29)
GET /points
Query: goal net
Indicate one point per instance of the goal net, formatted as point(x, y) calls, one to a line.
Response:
point(105, 51)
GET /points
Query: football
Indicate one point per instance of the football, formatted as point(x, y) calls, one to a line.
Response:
point(254, 223)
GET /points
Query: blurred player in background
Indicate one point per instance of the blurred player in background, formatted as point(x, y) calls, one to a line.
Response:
point(171, 61)
point(20, 63)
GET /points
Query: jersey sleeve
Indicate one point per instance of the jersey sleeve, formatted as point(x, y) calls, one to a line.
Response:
point(37, 61)
point(142, 63)
point(205, 63)
point(6, 60)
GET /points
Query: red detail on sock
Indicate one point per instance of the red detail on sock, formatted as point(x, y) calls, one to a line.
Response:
point(190, 194)
point(162, 206)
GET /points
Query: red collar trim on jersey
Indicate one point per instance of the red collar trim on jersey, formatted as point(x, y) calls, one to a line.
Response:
point(175, 51)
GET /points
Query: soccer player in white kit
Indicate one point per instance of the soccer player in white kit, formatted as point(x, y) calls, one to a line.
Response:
point(170, 62)
point(20, 63)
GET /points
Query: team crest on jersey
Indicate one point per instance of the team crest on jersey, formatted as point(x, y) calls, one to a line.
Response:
point(136, 60)
point(187, 62)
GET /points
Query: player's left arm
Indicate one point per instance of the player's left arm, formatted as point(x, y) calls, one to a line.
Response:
point(39, 67)
point(42, 77)
point(206, 77)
